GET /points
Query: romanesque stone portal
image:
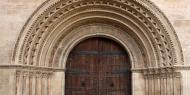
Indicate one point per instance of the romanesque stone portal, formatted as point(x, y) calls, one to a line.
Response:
point(42, 51)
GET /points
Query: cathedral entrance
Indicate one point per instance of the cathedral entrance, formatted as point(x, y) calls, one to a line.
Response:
point(98, 66)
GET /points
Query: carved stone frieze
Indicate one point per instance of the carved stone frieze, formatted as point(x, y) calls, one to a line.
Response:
point(30, 82)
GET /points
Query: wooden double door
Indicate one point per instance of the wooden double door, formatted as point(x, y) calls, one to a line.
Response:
point(98, 66)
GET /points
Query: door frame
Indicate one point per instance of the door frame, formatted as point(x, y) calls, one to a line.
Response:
point(103, 30)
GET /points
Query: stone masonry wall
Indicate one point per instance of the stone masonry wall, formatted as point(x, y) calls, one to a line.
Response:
point(178, 12)
point(14, 14)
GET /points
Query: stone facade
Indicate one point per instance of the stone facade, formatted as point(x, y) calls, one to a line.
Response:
point(37, 35)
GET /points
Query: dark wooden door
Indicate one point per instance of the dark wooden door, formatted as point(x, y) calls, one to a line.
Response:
point(98, 66)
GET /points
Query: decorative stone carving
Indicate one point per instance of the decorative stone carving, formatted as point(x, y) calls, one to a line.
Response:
point(31, 82)
point(58, 25)
point(31, 50)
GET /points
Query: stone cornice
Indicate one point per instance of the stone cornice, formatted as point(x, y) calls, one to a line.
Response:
point(27, 67)
point(182, 67)
point(176, 67)
point(170, 69)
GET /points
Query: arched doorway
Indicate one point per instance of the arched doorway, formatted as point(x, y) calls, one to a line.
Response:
point(46, 40)
point(98, 66)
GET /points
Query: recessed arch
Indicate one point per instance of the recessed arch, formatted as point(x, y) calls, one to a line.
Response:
point(58, 25)
point(99, 30)
point(134, 8)
point(89, 66)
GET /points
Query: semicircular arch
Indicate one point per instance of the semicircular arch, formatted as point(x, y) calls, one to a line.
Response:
point(149, 28)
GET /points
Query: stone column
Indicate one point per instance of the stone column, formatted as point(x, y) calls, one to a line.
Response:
point(38, 84)
point(49, 92)
point(157, 85)
point(57, 83)
point(185, 75)
point(146, 85)
point(138, 83)
point(26, 83)
point(44, 84)
point(177, 84)
point(19, 79)
point(33, 84)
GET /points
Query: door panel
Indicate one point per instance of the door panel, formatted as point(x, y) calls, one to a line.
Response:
point(98, 66)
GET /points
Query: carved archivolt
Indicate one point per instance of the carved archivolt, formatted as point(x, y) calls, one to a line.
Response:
point(139, 18)
point(138, 25)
